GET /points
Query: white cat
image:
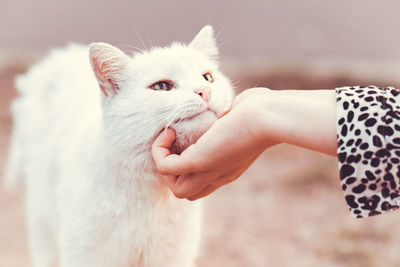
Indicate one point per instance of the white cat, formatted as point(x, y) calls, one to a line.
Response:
point(93, 197)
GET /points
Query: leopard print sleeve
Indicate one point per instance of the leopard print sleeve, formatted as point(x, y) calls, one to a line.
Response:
point(368, 135)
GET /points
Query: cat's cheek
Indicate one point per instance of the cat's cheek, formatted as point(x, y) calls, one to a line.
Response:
point(221, 101)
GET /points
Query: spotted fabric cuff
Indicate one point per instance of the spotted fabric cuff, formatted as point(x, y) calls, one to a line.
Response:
point(368, 136)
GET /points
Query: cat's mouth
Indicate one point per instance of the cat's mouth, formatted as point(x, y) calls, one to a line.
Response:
point(190, 128)
point(191, 117)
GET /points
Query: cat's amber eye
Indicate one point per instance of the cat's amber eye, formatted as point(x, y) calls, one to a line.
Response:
point(208, 77)
point(162, 86)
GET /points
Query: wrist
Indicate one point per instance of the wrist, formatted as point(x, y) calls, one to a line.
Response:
point(305, 118)
point(259, 116)
point(272, 117)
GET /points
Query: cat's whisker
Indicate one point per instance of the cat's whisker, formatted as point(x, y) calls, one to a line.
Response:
point(257, 83)
point(235, 83)
point(211, 17)
point(138, 35)
point(221, 31)
point(141, 40)
point(150, 41)
point(162, 120)
point(133, 48)
point(175, 119)
point(224, 43)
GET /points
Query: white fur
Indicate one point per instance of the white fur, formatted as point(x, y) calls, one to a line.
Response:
point(92, 195)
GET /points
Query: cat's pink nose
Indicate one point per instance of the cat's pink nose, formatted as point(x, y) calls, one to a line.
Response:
point(204, 93)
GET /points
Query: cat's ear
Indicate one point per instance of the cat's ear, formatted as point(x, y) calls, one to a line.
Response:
point(108, 64)
point(205, 41)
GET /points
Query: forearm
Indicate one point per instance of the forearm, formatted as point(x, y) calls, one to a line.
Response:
point(302, 118)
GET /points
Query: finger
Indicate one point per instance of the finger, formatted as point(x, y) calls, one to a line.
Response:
point(160, 150)
point(167, 163)
point(192, 184)
point(162, 144)
point(184, 163)
point(232, 175)
point(221, 181)
point(170, 180)
point(205, 192)
point(228, 178)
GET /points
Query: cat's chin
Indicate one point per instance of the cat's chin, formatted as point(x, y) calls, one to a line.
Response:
point(189, 130)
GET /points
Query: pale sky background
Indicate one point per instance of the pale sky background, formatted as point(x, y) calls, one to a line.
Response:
point(365, 30)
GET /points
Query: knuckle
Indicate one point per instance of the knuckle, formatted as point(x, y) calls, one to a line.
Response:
point(179, 194)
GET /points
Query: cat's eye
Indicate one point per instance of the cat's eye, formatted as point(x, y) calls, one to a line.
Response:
point(162, 86)
point(208, 77)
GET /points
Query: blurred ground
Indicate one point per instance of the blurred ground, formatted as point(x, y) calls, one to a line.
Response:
point(286, 210)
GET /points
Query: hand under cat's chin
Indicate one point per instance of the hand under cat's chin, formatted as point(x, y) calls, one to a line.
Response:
point(189, 130)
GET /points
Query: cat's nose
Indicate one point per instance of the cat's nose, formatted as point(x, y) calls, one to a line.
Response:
point(204, 93)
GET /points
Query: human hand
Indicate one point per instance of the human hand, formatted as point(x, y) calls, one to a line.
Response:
point(221, 155)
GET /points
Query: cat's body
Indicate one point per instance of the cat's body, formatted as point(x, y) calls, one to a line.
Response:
point(92, 194)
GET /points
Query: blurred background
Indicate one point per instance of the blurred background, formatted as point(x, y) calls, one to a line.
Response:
point(288, 208)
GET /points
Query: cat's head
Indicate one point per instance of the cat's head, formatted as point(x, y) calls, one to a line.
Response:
point(179, 86)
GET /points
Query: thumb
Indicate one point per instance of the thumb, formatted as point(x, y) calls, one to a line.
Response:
point(161, 146)
point(172, 164)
